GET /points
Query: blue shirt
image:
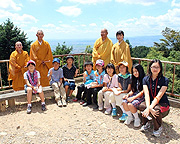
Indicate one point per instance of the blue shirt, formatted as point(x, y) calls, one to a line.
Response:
point(56, 75)
point(89, 77)
point(99, 77)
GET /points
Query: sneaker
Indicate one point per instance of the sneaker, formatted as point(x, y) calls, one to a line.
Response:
point(68, 99)
point(101, 108)
point(145, 127)
point(158, 132)
point(137, 122)
point(29, 110)
point(59, 103)
point(123, 117)
point(128, 121)
point(85, 104)
point(114, 112)
point(43, 107)
point(64, 103)
point(108, 111)
point(95, 107)
point(82, 102)
point(75, 100)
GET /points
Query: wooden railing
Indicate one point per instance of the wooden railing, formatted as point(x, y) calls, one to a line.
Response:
point(87, 56)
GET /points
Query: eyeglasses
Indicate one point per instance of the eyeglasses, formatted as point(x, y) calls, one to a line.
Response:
point(154, 67)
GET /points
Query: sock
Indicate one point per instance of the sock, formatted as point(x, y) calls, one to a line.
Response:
point(129, 113)
point(136, 115)
point(29, 105)
point(113, 105)
point(42, 103)
point(122, 108)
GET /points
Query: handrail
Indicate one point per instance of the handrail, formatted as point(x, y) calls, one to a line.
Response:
point(88, 55)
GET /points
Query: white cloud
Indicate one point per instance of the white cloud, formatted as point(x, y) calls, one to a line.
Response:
point(83, 25)
point(70, 10)
point(89, 1)
point(18, 19)
point(175, 4)
point(33, 0)
point(10, 4)
point(141, 2)
point(59, 0)
point(49, 25)
point(93, 24)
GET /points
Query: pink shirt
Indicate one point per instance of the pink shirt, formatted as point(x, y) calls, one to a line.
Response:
point(111, 83)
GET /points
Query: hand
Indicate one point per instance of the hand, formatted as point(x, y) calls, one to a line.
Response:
point(38, 85)
point(118, 93)
point(125, 96)
point(104, 89)
point(76, 71)
point(145, 113)
point(154, 113)
point(59, 84)
point(119, 89)
point(130, 99)
point(65, 79)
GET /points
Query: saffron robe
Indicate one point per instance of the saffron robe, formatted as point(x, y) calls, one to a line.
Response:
point(121, 53)
point(102, 50)
point(40, 53)
point(17, 68)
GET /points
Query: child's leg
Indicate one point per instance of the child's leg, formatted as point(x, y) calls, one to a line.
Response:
point(41, 95)
point(71, 87)
point(79, 92)
point(87, 94)
point(100, 99)
point(56, 91)
point(29, 94)
point(95, 93)
point(66, 89)
point(62, 93)
point(106, 102)
point(112, 100)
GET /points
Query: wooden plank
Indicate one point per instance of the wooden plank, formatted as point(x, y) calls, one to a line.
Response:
point(3, 105)
point(11, 102)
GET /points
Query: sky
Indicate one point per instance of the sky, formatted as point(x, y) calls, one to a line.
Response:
point(84, 19)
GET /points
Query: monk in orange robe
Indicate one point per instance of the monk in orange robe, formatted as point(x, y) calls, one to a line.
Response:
point(102, 49)
point(120, 52)
point(41, 53)
point(17, 63)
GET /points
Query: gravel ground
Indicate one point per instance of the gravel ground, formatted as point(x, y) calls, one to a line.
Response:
point(75, 124)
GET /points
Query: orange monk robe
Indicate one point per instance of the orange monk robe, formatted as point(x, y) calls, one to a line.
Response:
point(121, 53)
point(17, 68)
point(40, 53)
point(102, 50)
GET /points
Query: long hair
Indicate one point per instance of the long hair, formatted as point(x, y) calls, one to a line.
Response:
point(160, 64)
point(140, 70)
point(110, 65)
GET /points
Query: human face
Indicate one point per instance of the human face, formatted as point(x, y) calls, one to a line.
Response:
point(69, 61)
point(99, 68)
point(31, 67)
point(40, 35)
point(155, 69)
point(135, 73)
point(56, 65)
point(110, 71)
point(104, 33)
point(122, 69)
point(18, 46)
point(120, 37)
point(88, 68)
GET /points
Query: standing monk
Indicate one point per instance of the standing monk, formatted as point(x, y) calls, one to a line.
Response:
point(102, 49)
point(120, 51)
point(18, 61)
point(41, 53)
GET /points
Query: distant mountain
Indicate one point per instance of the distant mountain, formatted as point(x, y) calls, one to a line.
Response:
point(79, 45)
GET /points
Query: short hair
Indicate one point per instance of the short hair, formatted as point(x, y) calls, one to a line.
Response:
point(160, 64)
point(120, 32)
point(88, 63)
point(110, 65)
point(69, 56)
point(40, 31)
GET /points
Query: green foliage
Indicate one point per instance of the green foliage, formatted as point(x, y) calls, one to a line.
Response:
point(130, 46)
point(9, 35)
point(62, 49)
point(140, 51)
point(88, 49)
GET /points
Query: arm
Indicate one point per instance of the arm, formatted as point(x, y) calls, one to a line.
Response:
point(147, 100)
point(84, 77)
point(76, 72)
point(135, 97)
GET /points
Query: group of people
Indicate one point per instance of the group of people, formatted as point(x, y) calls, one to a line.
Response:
point(110, 78)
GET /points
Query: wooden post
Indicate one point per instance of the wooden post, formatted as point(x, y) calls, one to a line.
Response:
point(3, 105)
point(11, 103)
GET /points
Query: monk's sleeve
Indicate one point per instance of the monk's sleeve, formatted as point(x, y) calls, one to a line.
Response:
point(24, 69)
point(95, 53)
point(49, 58)
point(128, 54)
point(33, 56)
point(112, 56)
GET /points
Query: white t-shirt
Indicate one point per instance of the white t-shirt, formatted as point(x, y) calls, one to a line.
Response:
point(111, 82)
point(25, 75)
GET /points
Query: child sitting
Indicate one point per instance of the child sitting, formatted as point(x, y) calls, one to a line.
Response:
point(134, 98)
point(32, 79)
point(69, 72)
point(95, 86)
point(110, 81)
point(88, 78)
point(55, 76)
point(124, 81)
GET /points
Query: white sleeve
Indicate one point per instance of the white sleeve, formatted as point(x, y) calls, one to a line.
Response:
point(38, 74)
point(25, 75)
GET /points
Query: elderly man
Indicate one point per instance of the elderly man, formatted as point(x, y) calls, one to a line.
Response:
point(102, 49)
point(17, 63)
point(41, 53)
point(121, 52)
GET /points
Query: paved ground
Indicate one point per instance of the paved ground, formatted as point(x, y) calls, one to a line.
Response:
point(75, 124)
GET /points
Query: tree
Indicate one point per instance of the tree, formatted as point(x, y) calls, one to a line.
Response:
point(130, 46)
point(62, 49)
point(140, 51)
point(9, 35)
point(88, 49)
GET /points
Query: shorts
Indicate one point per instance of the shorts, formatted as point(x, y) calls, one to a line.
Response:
point(71, 85)
point(39, 90)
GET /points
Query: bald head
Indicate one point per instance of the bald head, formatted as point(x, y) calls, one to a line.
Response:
point(104, 33)
point(18, 46)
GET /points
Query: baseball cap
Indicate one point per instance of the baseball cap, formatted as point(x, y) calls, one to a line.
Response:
point(56, 60)
point(31, 62)
point(123, 63)
point(100, 62)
